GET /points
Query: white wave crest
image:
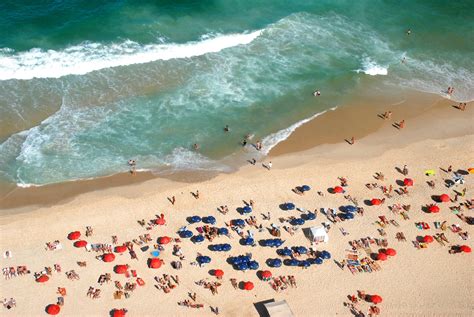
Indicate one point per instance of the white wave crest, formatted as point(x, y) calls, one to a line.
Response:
point(369, 67)
point(89, 57)
point(270, 141)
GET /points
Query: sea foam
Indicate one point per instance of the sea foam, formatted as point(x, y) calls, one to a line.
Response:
point(369, 67)
point(89, 57)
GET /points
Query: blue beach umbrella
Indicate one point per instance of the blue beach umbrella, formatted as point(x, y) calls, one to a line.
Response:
point(350, 208)
point(248, 241)
point(291, 262)
point(226, 247)
point(325, 255)
point(186, 234)
point(197, 239)
point(202, 259)
point(247, 209)
point(305, 188)
point(242, 266)
point(194, 219)
point(310, 216)
point(318, 261)
point(300, 250)
point(348, 216)
point(238, 222)
point(304, 263)
point(253, 265)
point(155, 253)
point(223, 231)
point(290, 206)
point(297, 222)
point(209, 220)
point(284, 252)
point(274, 262)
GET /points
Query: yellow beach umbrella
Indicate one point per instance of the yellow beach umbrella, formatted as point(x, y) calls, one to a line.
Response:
point(430, 172)
point(471, 170)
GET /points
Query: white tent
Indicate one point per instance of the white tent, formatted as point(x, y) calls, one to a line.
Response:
point(318, 234)
point(279, 309)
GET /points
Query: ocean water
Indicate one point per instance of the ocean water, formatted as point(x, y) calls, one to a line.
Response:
point(87, 85)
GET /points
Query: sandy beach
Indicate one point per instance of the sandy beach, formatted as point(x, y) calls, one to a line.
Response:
point(415, 282)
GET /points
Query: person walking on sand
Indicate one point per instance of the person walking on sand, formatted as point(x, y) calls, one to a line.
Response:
point(405, 170)
point(269, 165)
point(401, 124)
point(387, 115)
point(352, 141)
point(173, 200)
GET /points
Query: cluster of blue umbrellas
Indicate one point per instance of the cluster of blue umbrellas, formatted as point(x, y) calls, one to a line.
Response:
point(301, 263)
point(209, 220)
point(297, 222)
point(220, 247)
point(247, 241)
point(243, 263)
point(186, 234)
point(238, 222)
point(274, 262)
point(198, 239)
point(271, 242)
point(203, 259)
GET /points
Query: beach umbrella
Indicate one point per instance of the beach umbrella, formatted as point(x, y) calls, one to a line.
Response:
point(350, 208)
point(284, 252)
point(53, 309)
point(430, 173)
point(164, 240)
point(376, 299)
point(242, 266)
point(470, 170)
point(318, 261)
point(408, 182)
point(160, 221)
point(209, 220)
point(154, 263)
point(390, 252)
point(266, 275)
point(338, 190)
point(291, 262)
point(310, 216)
point(247, 209)
point(290, 206)
point(325, 255)
point(120, 249)
point(382, 257)
point(186, 234)
point(248, 241)
point(74, 235)
point(218, 273)
point(301, 250)
point(197, 239)
point(108, 257)
point(120, 269)
point(428, 239)
point(238, 222)
point(274, 262)
point(444, 198)
point(194, 219)
point(253, 265)
point(348, 216)
point(248, 286)
point(304, 263)
point(465, 248)
point(223, 231)
point(155, 253)
point(118, 313)
point(375, 202)
point(203, 259)
point(297, 222)
point(43, 278)
point(433, 209)
point(305, 188)
point(80, 244)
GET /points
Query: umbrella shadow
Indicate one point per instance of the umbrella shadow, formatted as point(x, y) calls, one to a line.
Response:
point(373, 256)
point(240, 210)
point(400, 182)
point(419, 238)
point(368, 202)
point(436, 198)
point(396, 126)
point(330, 190)
point(398, 169)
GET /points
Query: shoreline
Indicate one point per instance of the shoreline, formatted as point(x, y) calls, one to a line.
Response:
point(332, 127)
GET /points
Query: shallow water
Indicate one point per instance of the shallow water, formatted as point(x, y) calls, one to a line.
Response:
point(86, 86)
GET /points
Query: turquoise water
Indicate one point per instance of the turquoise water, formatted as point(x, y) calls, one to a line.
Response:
point(87, 85)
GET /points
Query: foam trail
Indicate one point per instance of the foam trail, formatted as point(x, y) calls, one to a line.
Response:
point(371, 68)
point(89, 57)
point(270, 141)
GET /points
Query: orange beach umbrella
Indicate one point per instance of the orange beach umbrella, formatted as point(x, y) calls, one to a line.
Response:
point(53, 309)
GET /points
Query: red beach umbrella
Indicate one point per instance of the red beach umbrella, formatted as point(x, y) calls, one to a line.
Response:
point(120, 269)
point(338, 189)
point(390, 252)
point(375, 202)
point(43, 278)
point(160, 221)
point(433, 209)
point(376, 299)
point(408, 182)
point(118, 313)
point(53, 309)
point(382, 257)
point(80, 244)
point(164, 240)
point(428, 239)
point(74, 235)
point(444, 198)
point(465, 248)
point(248, 286)
point(266, 274)
point(154, 263)
point(120, 249)
point(108, 257)
point(218, 273)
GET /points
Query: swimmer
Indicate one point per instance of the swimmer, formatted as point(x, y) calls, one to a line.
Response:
point(226, 128)
point(317, 93)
